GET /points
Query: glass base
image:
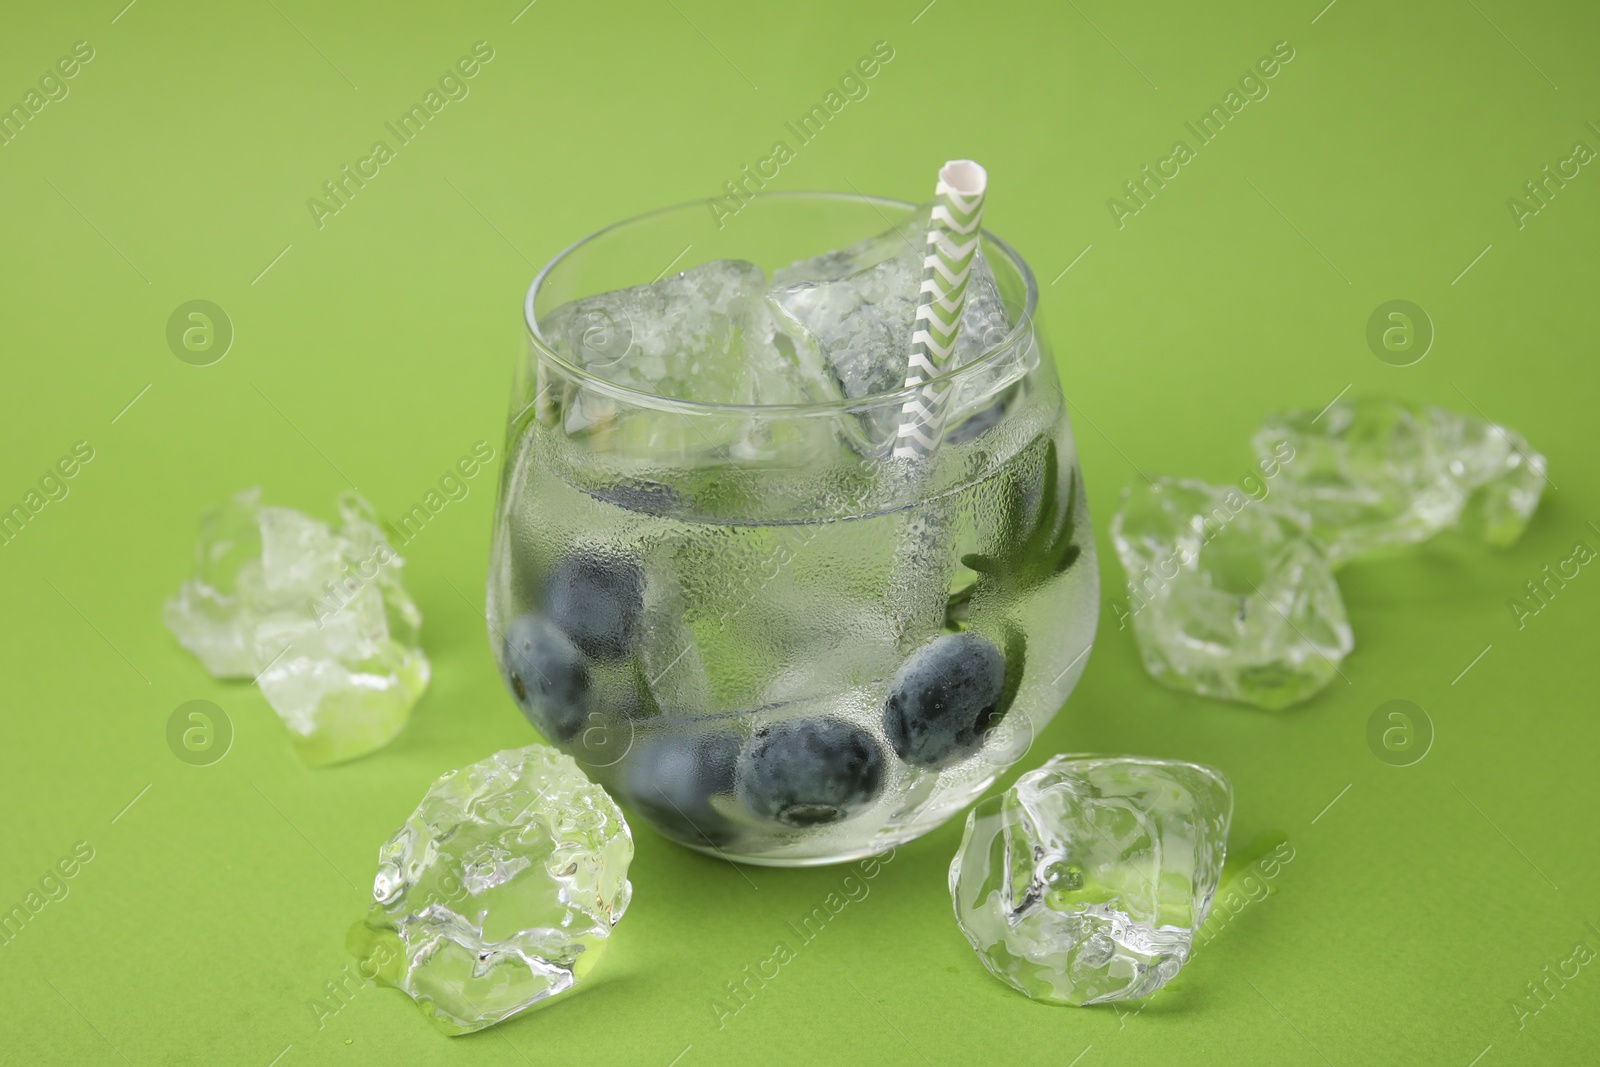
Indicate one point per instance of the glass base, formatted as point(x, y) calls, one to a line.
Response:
point(876, 848)
point(885, 840)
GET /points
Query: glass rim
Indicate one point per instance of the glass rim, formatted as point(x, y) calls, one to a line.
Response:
point(844, 405)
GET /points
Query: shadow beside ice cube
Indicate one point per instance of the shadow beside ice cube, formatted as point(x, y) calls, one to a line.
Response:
point(1086, 881)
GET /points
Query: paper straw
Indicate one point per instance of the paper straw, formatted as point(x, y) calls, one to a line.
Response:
point(952, 242)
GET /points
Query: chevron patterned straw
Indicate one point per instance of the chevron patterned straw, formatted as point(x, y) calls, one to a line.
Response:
point(952, 241)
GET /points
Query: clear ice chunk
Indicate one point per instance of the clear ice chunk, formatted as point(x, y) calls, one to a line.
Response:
point(499, 891)
point(1086, 881)
point(702, 334)
point(1229, 596)
point(850, 312)
point(1378, 472)
point(1501, 473)
point(318, 617)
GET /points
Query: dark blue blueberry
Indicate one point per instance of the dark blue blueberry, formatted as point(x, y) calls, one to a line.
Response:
point(671, 779)
point(806, 772)
point(596, 598)
point(548, 676)
point(944, 698)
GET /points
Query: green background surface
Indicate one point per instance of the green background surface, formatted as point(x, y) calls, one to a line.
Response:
point(377, 349)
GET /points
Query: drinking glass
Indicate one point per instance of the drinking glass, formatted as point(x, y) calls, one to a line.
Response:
point(719, 609)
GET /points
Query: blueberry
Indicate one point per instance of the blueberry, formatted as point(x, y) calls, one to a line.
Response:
point(596, 599)
point(805, 772)
point(548, 676)
point(943, 699)
point(671, 779)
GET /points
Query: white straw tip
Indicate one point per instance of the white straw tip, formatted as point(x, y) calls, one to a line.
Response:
point(964, 177)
